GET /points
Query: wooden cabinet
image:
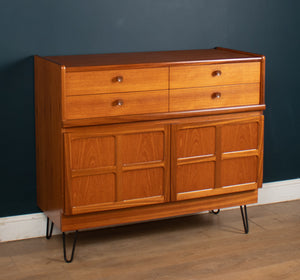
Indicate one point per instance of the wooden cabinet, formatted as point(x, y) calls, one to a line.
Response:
point(131, 137)
point(216, 158)
point(116, 167)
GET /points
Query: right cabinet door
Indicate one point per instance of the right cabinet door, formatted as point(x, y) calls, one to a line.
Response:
point(216, 157)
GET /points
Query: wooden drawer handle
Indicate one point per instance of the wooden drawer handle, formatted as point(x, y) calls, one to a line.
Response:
point(119, 79)
point(216, 73)
point(118, 102)
point(216, 95)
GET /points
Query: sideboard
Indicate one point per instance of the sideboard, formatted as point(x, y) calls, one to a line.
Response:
point(130, 137)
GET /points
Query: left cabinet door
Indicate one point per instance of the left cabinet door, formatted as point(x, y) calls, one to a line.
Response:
point(115, 167)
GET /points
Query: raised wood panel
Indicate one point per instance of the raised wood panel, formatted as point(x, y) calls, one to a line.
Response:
point(205, 75)
point(96, 189)
point(193, 177)
point(92, 152)
point(214, 97)
point(239, 171)
point(95, 82)
point(193, 142)
point(142, 147)
point(133, 159)
point(239, 137)
point(234, 159)
point(116, 104)
point(142, 183)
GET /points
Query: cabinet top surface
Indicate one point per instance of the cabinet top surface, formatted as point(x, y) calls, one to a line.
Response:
point(161, 58)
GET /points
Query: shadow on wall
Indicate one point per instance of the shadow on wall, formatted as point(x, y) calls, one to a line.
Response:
point(18, 145)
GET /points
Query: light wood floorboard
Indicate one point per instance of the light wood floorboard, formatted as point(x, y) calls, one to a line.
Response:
point(202, 246)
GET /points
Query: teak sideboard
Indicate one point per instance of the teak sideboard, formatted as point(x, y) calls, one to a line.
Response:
point(131, 137)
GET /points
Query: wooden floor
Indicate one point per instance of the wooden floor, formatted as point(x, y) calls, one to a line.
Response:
point(203, 246)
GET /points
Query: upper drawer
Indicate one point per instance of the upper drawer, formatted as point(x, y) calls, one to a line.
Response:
point(214, 74)
point(94, 82)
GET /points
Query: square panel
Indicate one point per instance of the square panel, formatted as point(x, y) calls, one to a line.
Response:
point(193, 177)
point(239, 137)
point(239, 171)
point(195, 142)
point(93, 189)
point(142, 147)
point(92, 152)
point(142, 183)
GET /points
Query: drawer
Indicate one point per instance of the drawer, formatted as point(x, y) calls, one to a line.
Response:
point(214, 97)
point(127, 80)
point(214, 74)
point(116, 104)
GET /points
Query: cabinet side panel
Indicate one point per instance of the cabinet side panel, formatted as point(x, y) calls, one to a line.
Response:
point(48, 84)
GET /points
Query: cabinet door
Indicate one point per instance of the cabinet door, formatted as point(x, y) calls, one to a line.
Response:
point(116, 167)
point(214, 158)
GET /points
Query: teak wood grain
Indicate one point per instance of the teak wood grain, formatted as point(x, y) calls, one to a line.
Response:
point(116, 104)
point(131, 137)
point(214, 75)
point(95, 82)
point(214, 97)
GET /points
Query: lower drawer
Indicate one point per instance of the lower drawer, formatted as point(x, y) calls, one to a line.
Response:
point(116, 104)
point(214, 97)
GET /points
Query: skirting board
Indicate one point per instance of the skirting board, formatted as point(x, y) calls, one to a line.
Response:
point(34, 225)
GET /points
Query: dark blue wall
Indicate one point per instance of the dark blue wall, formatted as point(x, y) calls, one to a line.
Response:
point(52, 27)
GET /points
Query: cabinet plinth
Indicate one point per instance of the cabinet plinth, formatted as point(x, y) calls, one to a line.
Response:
point(132, 137)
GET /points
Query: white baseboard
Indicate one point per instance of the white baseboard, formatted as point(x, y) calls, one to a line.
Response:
point(34, 225)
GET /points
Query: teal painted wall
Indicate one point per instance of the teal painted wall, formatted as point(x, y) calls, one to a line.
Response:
point(51, 27)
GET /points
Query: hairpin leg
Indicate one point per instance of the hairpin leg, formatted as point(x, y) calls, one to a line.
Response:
point(216, 212)
point(245, 218)
point(73, 248)
point(49, 234)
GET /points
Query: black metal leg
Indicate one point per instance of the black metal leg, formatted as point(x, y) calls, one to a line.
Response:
point(73, 248)
point(49, 234)
point(245, 218)
point(216, 212)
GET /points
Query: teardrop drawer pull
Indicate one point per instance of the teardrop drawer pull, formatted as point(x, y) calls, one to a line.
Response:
point(118, 102)
point(216, 73)
point(119, 79)
point(216, 95)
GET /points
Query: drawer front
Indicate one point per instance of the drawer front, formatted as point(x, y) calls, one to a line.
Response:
point(214, 75)
point(95, 82)
point(214, 97)
point(116, 104)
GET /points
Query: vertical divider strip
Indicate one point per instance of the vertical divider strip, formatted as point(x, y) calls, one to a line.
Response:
point(218, 152)
point(118, 185)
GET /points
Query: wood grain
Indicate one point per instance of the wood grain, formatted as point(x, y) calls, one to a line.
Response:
point(49, 162)
point(192, 142)
point(119, 136)
point(92, 152)
point(115, 167)
point(199, 76)
point(156, 211)
point(95, 82)
point(150, 59)
point(143, 183)
point(163, 117)
point(93, 189)
point(105, 105)
point(179, 249)
point(205, 97)
point(142, 147)
point(193, 177)
point(239, 171)
point(239, 137)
